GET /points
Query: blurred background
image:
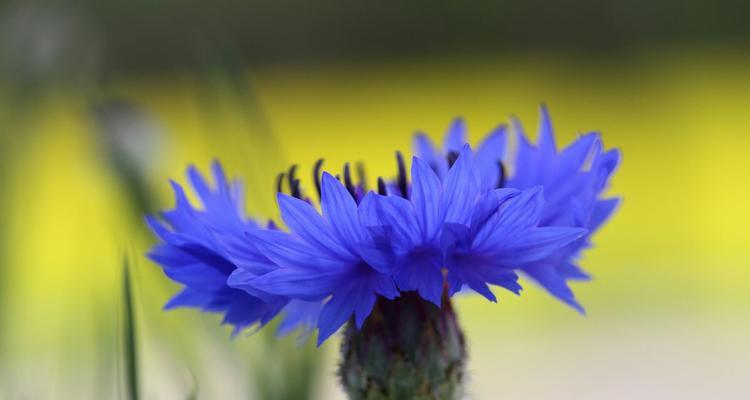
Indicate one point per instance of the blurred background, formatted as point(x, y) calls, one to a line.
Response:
point(102, 101)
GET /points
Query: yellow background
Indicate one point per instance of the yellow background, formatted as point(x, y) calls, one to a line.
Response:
point(667, 310)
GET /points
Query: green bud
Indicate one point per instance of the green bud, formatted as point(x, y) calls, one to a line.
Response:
point(407, 349)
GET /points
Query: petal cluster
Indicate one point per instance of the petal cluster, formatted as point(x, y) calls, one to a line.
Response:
point(199, 247)
point(320, 259)
point(458, 220)
point(574, 181)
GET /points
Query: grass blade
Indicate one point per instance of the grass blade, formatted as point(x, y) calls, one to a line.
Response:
point(129, 348)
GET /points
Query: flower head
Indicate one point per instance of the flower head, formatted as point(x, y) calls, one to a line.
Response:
point(455, 221)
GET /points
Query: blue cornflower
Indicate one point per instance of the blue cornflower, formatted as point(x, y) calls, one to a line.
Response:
point(456, 221)
point(320, 258)
point(388, 261)
point(193, 253)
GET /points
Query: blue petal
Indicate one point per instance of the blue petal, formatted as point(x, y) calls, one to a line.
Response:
point(426, 150)
point(504, 194)
point(571, 160)
point(546, 134)
point(489, 154)
point(455, 242)
point(220, 178)
point(426, 197)
point(209, 257)
point(181, 200)
point(459, 273)
point(183, 218)
point(533, 246)
point(237, 195)
point(488, 205)
point(248, 311)
point(568, 270)
point(546, 276)
point(529, 169)
point(363, 308)
point(356, 296)
point(199, 184)
point(170, 256)
point(368, 211)
point(299, 314)
point(562, 197)
point(242, 253)
point(379, 255)
point(334, 314)
point(477, 271)
point(506, 279)
point(481, 287)
point(189, 297)
point(159, 228)
point(455, 238)
point(395, 213)
point(461, 189)
point(455, 137)
point(287, 250)
point(421, 271)
point(341, 210)
point(516, 215)
point(305, 221)
point(298, 283)
point(605, 165)
point(243, 280)
point(603, 209)
point(197, 276)
point(383, 285)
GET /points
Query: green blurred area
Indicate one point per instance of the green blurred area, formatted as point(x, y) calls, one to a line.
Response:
point(87, 146)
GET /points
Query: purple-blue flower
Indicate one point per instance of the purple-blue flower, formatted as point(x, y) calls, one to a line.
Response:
point(457, 220)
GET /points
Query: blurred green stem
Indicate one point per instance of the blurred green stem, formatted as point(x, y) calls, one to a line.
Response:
point(129, 344)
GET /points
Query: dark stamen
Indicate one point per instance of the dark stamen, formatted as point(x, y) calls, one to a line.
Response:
point(501, 175)
point(294, 182)
point(382, 190)
point(316, 176)
point(452, 157)
point(401, 175)
point(280, 183)
point(361, 176)
point(348, 181)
